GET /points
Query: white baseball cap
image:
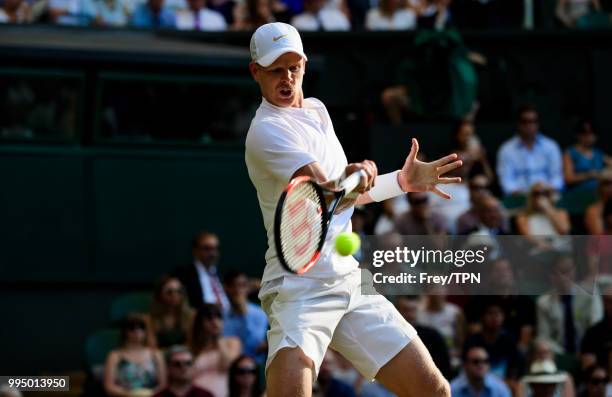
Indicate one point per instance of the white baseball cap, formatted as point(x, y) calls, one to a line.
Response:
point(272, 40)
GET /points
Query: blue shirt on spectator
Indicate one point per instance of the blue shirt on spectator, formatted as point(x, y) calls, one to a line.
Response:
point(585, 164)
point(519, 167)
point(143, 17)
point(250, 327)
point(492, 387)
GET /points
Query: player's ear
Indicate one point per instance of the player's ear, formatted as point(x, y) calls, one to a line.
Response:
point(254, 69)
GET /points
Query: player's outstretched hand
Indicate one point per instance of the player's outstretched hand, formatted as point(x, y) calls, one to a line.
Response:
point(418, 176)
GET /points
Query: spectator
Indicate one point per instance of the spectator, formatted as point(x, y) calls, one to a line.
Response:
point(201, 278)
point(113, 13)
point(490, 216)
point(596, 347)
point(14, 11)
point(420, 220)
point(596, 378)
point(593, 218)
point(544, 380)
point(583, 162)
point(434, 14)
point(318, 17)
point(541, 351)
point(180, 375)
point(478, 185)
point(136, 368)
point(171, 316)
point(529, 157)
point(408, 306)
point(153, 14)
point(328, 386)
point(506, 362)
point(244, 378)
point(390, 15)
point(445, 317)
point(467, 145)
point(245, 320)
point(565, 313)
point(225, 8)
point(198, 17)
point(252, 14)
point(569, 11)
point(519, 310)
point(599, 249)
point(72, 12)
point(386, 220)
point(476, 379)
point(213, 353)
point(541, 221)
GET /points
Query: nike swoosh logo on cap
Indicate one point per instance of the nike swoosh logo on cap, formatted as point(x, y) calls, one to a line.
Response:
point(277, 38)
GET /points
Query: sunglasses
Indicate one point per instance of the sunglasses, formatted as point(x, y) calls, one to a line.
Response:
point(598, 381)
point(529, 121)
point(478, 361)
point(173, 291)
point(478, 187)
point(181, 363)
point(208, 247)
point(419, 201)
point(134, 326)
point(244, 371)
point(538, 193)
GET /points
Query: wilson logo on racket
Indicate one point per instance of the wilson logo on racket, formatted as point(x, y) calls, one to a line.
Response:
point(302, 220)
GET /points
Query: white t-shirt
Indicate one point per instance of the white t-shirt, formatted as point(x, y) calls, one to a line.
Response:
point(331, 18)
point(210, 20)
point(279, 142)
point(404, 19)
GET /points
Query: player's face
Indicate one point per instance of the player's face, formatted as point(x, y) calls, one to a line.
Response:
point(281, 82)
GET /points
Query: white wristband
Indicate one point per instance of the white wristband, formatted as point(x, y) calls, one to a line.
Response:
point(385, 187)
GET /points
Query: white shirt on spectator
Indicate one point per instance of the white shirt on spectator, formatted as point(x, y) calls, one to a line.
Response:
point(3, 16)
point(112, 13)
point(330, 18)
point(212, 289)
point(404, 19)
point(208, 20)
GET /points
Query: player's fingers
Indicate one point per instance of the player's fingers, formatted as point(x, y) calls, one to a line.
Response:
point(414, 150)
point(446, 181)
point(441, 193)
point(372, 172)
point(445, 160)
point(449, 167)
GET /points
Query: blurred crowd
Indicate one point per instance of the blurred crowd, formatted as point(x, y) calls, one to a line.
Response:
point(205, 334)
point(309, 15)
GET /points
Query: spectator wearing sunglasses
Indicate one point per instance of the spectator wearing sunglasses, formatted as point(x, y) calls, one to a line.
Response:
point(180, 375)
point(529, 157)
point(136, 368)
point(583, 161)
point(541, 221)
point(244, 378)
point(171, 315)
point(213, 353)
point(476, 379)
point(420, 220)
point(596, 379)
point(201, 278)
point(593, 216)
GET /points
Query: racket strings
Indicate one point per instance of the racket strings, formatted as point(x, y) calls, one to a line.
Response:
point(301, 226)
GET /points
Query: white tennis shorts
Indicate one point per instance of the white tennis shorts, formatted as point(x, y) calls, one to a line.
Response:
point(315, 314)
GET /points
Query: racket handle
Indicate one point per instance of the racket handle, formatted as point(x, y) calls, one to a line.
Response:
point(351, 182)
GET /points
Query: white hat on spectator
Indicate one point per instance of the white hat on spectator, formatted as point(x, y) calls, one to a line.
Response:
point(272, 40)
point(544, 372)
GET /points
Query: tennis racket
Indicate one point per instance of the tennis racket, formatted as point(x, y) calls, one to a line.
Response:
point(303, 214)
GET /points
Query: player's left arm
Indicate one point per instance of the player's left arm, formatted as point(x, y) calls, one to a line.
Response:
point(419, 176)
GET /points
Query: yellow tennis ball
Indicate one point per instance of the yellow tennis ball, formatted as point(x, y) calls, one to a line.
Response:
point(347, 243)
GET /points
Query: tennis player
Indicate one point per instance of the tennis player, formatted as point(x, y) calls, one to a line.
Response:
point(292, 136)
